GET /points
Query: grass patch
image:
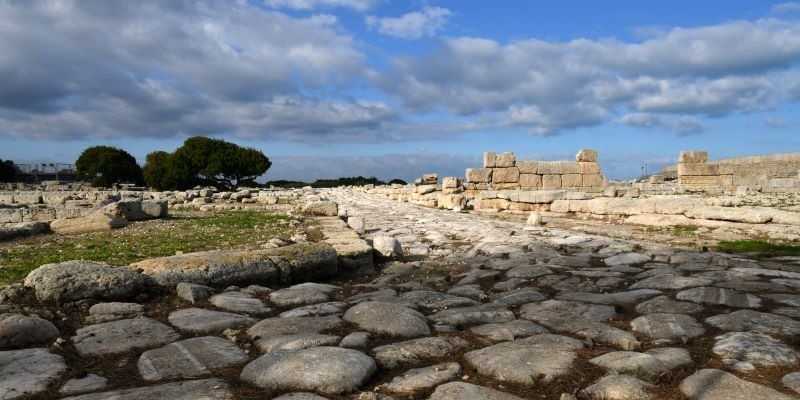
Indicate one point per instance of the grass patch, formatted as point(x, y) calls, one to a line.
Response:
point(675, 230)
point(182, 232)
point(763, 247)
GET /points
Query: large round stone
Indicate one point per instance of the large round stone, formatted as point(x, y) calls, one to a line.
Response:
point(19, 331)
point(327, 370)
point(388, 318)
point(78, 280)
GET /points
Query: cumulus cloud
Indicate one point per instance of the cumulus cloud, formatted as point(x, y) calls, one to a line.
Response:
point(683, 126)
point(413, 25)
point(358, 5)
point(110, 69)
point(550, 87)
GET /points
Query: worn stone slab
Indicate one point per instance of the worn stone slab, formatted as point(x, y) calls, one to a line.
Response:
point(559, 309)
point(619, 387)
point(668, 326)
point(317, 310)
point(614, 298)
point(190, 358)
point(28, 371)
point(78, 280)
point(468, 391)
point(415, 351)
point(719, 296)
point(122, 336)
point(663, 304)
point(204, 322)
point(626, 259)
point(423, 378)
point(749, 320)
point(326, 370)
point(670, 282)
point(298, 341)
point(755, 348)
point(239, 302)
point(205, 389)
point(529, 361)
point(792, 381)
point(192, 292)
point(436, 300)
point(630, 362)
point(294, 297)
point(516, 297)
point(508, 331)
point(714, 384)
point(469, 316)
point(291, 325)
point(597, 331)
point(17, 330)
point(388, 318)
point(88, 383)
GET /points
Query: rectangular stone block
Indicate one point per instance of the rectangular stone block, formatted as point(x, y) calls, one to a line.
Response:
point(10, 215)
point(28, 198)
point(39, 215)
point(506, 186)
point(505, 175)
point(505, 160)
point(693, 157)
point(6, 199)
point(725, 169)
point(726, 180)
point(430, 179)
point(479, 175)
point(528, 167)
point(592, 180)
point(489, 159)
point(586, 155)
point(558, 167)
point(589, 168)
point(530, 181)
point(571, 180)
point(698, 180)
point(496, 204)
point(538, 196)
point(551, 181)
point(451, 182)
point(697, 169)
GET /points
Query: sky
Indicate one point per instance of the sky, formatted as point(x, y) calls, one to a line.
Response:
point(396, 89)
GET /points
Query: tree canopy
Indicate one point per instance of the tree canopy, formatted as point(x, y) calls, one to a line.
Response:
point(7, 171)
point(203, 160)
point(105, 165)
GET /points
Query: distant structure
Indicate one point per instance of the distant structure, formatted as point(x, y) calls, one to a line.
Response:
point(34, 173)
point(774, 173)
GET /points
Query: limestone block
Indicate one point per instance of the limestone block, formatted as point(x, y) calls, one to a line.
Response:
point(528, 167)
point(656, 179)
point(589, 168)
point(28, 198)
point(530, 181)
point(726, 169)
point(489, 159)
point(551, 181)
point(592, 180)
point(6, 198)
point(94, 222)
point(586, 155)
point(505, 160)
point(496, 204)
point(745, 180)
point(698, 180)
point(506, 186)
point(451, 182)
point(10, 215)
point(558, 167)
point(450, 201)
point(560, 206)
point(505, 175)
point(693, 157)
point(479, 175)
point(697, 169)
point(39, 215)
point(571, 180)
point(726, 180)
point(430, 179)
point(537, 197)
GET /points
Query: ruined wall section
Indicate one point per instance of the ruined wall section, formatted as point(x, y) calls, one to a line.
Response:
point(776, 173)
point(503, 172)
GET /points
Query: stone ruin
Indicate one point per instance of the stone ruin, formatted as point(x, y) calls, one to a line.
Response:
point(776, 173)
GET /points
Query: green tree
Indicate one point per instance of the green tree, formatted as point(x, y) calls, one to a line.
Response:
point(8, 171)
point(105, 165)
point(161, 172)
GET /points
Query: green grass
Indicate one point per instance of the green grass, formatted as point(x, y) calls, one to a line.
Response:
point(758, 246)
point(182, 232)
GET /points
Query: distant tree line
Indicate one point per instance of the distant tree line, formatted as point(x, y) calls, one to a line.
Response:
point(8, 171)
point(328, 183)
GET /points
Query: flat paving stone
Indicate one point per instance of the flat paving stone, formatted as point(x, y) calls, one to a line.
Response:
point(291, 325)
point(298, 341)
point(671, 357)
point(630, 362)
point(28, 371)
point(388, 319)
point(469, 316)
point(528, 271)
point(663, 304)
point(468, 391)
point(529, 361)
point(508, 331)
point(326, 370)
point(671, 282)
point(619, 387)
point(17, 330)
point(558, 309)
point(317, 310)
point(89, 383)
point(516, 297)
point(190, 358)
point(755, 348)
point(596, 331)
point(204, 322)
point(668, 326)
point(205, 389)
point(423, 378)
point(239, 302)
point(787, 299)
point(300, 396)
point(792, 381)
point(614, 298)
point(627, 259)
point(436, 301)
point(719, 296)
point(749, 320)
point(416, 351)
point(293, 297)
point(122, 336)
point(714, 384)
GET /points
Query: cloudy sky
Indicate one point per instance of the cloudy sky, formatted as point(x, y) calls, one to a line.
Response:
point(384, 88)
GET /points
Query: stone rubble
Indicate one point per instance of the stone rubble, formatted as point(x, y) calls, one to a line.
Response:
point(472, 307)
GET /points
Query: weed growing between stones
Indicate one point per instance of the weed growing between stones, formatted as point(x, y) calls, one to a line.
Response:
point(762, 247)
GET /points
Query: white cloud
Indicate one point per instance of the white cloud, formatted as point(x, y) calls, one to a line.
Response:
point(551, 87)
point(413, 25)
point(785, 8)
point(358, 5)
point(684, 125)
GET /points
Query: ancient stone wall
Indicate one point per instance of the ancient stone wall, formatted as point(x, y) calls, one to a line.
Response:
point(774, 173)
point(503, 172)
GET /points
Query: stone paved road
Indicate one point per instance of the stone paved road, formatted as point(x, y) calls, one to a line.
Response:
point(479, 308)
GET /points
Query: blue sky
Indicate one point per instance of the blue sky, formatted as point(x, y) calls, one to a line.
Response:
point(330, 88)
